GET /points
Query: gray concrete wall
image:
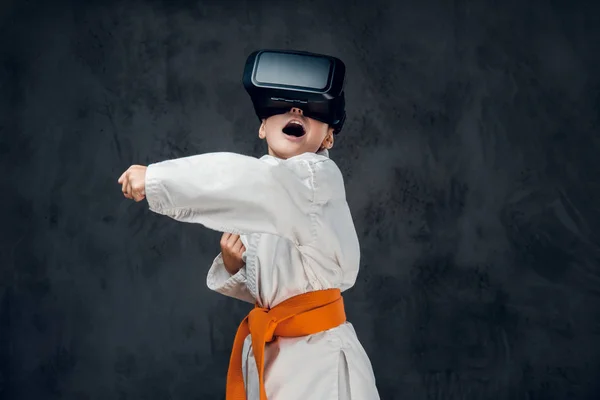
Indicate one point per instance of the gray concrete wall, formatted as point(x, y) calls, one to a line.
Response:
point(471, 161)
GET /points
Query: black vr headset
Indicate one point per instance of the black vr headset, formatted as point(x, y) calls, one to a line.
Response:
point(278, 80)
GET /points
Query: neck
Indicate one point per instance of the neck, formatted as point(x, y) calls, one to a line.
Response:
point(272, 153)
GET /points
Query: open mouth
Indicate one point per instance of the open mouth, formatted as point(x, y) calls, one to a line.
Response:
point(294, 128)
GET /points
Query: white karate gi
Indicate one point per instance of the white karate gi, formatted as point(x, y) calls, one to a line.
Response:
point(299, 236)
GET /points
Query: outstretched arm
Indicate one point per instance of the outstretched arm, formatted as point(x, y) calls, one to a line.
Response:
point(234, 193)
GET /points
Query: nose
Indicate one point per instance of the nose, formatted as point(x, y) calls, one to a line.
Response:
point(296, 110)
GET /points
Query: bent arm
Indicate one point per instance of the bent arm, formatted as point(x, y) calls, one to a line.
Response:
point(219, 280)
point(234, 193)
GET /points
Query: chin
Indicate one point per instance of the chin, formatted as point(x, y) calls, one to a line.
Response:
point(287, 150)
point(286, 153)
point(287, 146)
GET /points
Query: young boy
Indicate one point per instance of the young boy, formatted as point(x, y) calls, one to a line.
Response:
point(289, 247)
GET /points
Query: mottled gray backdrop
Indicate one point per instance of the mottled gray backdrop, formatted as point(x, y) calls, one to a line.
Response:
point(471, 162)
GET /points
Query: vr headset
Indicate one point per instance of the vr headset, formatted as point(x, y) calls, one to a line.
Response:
point(278, 80)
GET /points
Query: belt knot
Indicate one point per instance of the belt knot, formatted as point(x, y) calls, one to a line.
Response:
point(262, 323)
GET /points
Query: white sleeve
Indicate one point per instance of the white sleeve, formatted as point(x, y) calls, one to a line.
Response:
point(234, 193)
point(221, 281)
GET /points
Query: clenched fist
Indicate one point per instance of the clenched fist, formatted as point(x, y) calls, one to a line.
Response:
point(232, 249)
point(134, 182)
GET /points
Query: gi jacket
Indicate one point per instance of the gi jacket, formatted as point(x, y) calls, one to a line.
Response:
point(295, 223)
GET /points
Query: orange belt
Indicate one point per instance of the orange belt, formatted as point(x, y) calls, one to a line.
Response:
point(301, 315)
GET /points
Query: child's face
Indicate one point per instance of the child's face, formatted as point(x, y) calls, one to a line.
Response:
point(292, 134)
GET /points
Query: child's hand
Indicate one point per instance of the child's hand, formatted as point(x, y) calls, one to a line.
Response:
point(134, 182)
point(232, 249)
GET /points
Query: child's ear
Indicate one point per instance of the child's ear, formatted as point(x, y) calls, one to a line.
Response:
point(262, 132)
point(329, 139)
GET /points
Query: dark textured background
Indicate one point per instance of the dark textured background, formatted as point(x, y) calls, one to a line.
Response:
point(471, 161)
